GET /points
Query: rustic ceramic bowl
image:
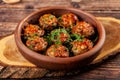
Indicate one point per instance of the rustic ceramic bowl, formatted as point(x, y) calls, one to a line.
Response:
point(53, 62)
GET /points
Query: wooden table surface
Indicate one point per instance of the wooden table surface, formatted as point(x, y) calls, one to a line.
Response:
point(12, 14)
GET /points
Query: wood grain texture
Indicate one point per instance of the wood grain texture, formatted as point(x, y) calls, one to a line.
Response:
point(84, 4)
point(112, 28)
point(11, 15)
point(111, 45)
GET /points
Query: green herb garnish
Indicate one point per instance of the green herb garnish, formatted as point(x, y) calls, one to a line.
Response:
point(35, 34)
point(76, 37)
point(54, 24)
point(59, 18)
point(31, 46)
point(51, 16)
point(95, 39)
point(31, 38)
point(47, 37)
point(55, 35)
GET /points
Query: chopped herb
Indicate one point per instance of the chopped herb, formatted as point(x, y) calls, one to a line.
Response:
point(35, 34)
point(76, 37)
point(47, 37)
point(68, 30)
point(55, 35)
point(96, 38)
point(58, 42)
point(51, 16)
point(64, 31)
point(54, 24)
point(56, 46)
point(59, 18)
point(31, 38)
point(31, 46)
point(68, 45)
point(49, 41)
point(44, 19)
point(53, 50)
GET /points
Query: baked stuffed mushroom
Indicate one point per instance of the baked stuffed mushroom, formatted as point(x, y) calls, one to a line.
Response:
point(83, 28)
point(31, 30)
point(48, 21)
point(59, 36)
point(57, 51)
point(67, 20)
point(36, 43)
point(80, 47)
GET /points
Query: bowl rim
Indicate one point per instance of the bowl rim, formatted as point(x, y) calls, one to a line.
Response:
point(45, 58)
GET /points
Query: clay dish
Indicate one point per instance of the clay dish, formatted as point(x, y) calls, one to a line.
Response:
point(54, 63)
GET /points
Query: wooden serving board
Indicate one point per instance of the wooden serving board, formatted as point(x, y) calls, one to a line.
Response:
point(10, 56)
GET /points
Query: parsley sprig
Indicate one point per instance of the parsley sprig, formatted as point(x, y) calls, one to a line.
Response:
point(76, 37)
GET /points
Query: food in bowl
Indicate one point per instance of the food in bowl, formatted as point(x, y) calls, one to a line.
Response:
point(60, 36)
point(57, 50)
point(79, 47)
point(48, 21)
point(67, 20)
point(36, 43)
point(32, 30)
point(83, 28)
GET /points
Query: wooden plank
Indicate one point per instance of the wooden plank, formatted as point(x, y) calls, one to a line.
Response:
point(8, 72)
point(102, 71)
point(36, 4)
point(105, 5)
point(16, 15)
point(115, 14)
point(29, 73)
point(13, 15)
point(10, 18)
point(7, 28)
point(17, 72)
point(83, 4)
point(109, 70)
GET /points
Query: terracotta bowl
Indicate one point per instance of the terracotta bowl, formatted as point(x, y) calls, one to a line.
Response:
point(54, 63)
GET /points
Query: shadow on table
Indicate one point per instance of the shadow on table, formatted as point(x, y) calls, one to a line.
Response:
point(82, 71)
